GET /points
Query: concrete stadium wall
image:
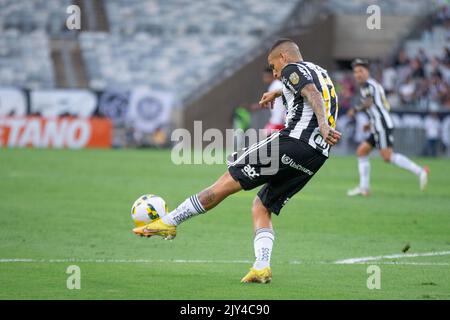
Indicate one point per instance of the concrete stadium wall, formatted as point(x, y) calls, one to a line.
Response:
point(351, 33)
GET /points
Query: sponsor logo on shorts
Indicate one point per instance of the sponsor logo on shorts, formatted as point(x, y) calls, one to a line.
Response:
point(320, 142)
point(289, 162)
point(250, 172)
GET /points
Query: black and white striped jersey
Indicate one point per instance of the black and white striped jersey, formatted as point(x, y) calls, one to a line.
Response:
point(301, 122)
point(378, 112)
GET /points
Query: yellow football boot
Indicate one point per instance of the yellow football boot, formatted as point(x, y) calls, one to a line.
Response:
point(157, 228)
point(258, 276)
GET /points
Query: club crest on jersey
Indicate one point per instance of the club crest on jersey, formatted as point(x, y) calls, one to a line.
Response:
point(294, 78)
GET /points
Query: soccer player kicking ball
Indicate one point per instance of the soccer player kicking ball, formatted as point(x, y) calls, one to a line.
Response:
point(300, 150)
point(375, 105)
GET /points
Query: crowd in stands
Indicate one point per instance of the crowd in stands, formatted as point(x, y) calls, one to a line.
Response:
point(419, 77)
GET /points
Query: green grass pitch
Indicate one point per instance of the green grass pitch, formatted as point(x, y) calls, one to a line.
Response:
point(60, 208)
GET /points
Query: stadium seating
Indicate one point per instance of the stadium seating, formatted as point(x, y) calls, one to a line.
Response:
point(433, 42)
point(174, 45)
point(157, 44)
point(25, 27)
point(163, 63)
point(207, 17)
point(18, 56)
point(27, 16)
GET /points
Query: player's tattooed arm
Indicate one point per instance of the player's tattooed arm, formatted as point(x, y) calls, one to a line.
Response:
point(315, 99)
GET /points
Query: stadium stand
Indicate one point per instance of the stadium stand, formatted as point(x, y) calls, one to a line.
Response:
point(159, 63)
point(27, 16)
point(25, 28)
point(18, 56)
point(419, 77)
point(188, 47)
point(149, 42)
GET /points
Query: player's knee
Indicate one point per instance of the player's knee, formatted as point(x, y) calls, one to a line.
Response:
point(226, 184)
point(258, 208)
point(361, 152)
point(386, 157)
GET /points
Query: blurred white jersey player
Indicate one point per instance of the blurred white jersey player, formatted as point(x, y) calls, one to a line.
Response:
point(381, 126)
point(278, 111)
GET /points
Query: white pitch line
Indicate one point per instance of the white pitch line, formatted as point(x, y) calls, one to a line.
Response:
point(392, 256)
point(364, 260)
point(410, 263)
point(73, 260)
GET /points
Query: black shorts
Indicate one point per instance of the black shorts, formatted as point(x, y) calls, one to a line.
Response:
point(283, 164)
point(381, 139)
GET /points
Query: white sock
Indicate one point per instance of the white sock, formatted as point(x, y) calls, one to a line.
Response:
point(364, 172)
point(405, 163)
point(188, 209)
point(263, 243)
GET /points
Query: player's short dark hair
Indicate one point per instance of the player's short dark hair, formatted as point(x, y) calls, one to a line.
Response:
point(360, 62)
point(280, 42)
point(267, 70)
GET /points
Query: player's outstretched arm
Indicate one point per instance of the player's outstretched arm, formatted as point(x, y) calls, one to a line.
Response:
point(268, 98)
point(315, 99)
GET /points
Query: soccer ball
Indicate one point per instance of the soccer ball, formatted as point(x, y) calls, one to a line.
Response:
point(148, 208)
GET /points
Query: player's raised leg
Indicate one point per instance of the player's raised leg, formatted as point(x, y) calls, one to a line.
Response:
point(192, 206)
point(404, 162)
point(263, 243)
point(362, 152)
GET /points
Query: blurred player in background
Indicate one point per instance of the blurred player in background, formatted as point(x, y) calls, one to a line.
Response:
point(278, 110)
point(374, 103)
point(242, 119)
